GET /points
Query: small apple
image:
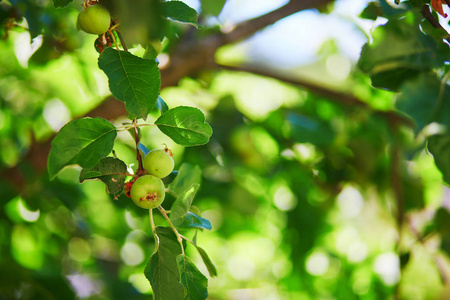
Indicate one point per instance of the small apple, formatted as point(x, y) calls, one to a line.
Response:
point(94, 19)
point(148, 192)
point(159, 162)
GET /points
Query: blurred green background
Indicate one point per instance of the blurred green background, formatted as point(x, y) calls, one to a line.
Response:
point(298, 184)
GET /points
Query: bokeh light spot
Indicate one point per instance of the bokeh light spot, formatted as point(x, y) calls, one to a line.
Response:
point(317, 263)
point(387, 266)
point(131, 254)
point(79, 249)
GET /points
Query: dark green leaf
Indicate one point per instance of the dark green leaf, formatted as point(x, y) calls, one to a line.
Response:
point(162, 106)
point(442, 221)
point(83, 141)
point(170, 178)
point(439, 146)
point(307, 130)
point(187, 176)
point(186, 126)
point(132, 80)
point(424, 101)
point(207, 261)
point(162, 269)
point(180, 11)
point(381, 8)
point(399, 51)
point(194, 282)
point(442, 225)
point(110, 170)
point(61, 3)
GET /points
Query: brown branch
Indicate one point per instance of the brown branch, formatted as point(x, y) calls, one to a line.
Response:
point(250, 27)
point(345, 99)
point(190, 57)
point(426, 13)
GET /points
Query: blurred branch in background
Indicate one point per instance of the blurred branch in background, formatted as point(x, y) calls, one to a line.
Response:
point(344, 99)
point(189, 57)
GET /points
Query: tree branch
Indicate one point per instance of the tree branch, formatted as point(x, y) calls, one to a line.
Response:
point(344, 99)
point(426, 13)
point(190, 57)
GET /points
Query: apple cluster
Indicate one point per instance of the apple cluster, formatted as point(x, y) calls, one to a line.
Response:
point(148, 191)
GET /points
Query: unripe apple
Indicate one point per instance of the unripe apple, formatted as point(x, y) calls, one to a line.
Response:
point(148, 192)
point(94, 19)
point(158, 162)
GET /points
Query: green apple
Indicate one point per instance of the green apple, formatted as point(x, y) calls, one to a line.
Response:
point(94, 19)
point(148, 192)
point(158, 162)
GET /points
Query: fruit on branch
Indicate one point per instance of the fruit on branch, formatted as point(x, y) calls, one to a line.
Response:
point(159, 162)
point(148, 191)
point(94, 19)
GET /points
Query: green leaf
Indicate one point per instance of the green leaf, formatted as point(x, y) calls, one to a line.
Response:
point(61, 3)
point(188, 175)
point(83, 141)
point(212, 7)
point(439, 146)
point(194, 282)
point(185, 125)
point(180, 11)
point(207, 261)
point(182, 205)
point(132, 80)
point(441, 223)
point(399, 51)
point(162, 269)
point(307, 130)
point(424, 101)
point(111, 171)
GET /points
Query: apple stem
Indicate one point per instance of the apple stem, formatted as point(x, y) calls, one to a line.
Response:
point(152, 223)
point(138, 154)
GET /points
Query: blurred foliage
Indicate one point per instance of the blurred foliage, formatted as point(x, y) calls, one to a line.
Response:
point(300, 189)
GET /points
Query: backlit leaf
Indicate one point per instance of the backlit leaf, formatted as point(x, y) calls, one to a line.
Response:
point(187, 176)
point(180, 11)
point(185, 125)
point(193, 281)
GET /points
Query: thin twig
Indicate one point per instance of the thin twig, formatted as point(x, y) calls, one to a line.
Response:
point(188, 240)
point(122, 42)
point(152, 224)
point(426, 13)
point(179, 239)
point(138, 153)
